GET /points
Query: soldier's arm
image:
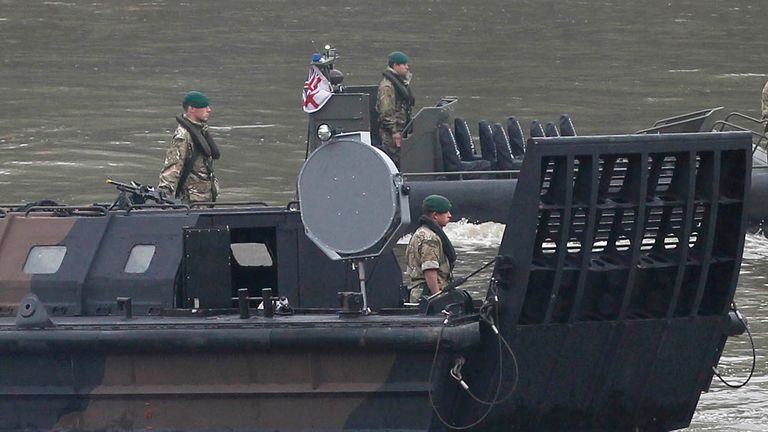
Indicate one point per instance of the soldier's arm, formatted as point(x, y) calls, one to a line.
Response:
point(433, 282)
point(177, 154)
point(386, 107)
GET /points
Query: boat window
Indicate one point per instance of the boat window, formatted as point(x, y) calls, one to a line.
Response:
point(44, 259)
point(252, 254)
point(138, 261)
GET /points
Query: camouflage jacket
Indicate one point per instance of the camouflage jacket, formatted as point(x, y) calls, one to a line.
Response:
point(393, 111)
point(201, 184)
point(765, 101)
point(425, 252)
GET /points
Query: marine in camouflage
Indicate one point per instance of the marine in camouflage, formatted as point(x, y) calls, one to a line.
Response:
point(425, 252)
point(201, 183)
point(393, 115)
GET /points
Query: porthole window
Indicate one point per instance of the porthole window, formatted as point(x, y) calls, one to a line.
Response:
point(140, 258)
point(44, 259)
point(251, 254)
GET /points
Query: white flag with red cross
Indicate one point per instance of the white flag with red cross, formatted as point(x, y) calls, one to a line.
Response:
point(317, 90)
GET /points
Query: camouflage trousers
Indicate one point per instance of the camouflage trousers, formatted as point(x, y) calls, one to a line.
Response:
point(388, 146)
point(200, 191)
point(418, 291)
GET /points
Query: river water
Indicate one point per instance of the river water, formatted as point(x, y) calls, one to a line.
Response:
point(90, 88)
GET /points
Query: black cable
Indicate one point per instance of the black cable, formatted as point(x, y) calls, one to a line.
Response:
point(432, 401)
point(754, 353)
point(501, 338)
point(495, 400)
point(466, 278)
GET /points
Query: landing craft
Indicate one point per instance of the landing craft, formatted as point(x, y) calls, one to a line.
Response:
point(609, 305)
point(607, 310)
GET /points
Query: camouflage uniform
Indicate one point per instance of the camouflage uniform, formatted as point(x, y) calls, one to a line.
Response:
point(425, 252)
point(765, 102)
point(393, 115)
point(201, 184)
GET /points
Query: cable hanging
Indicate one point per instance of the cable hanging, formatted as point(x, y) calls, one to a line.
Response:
point(488, 311)
point(754, 353)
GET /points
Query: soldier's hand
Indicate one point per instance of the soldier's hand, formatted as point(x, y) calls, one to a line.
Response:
point(397, 139)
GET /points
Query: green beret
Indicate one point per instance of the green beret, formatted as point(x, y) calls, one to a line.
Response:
point(436, 203)
point(397, 57)
point(195, 99)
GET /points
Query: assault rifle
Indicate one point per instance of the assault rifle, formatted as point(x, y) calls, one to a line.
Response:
point(135, 193)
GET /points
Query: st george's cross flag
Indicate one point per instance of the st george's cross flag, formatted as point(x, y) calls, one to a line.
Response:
point(317, 90)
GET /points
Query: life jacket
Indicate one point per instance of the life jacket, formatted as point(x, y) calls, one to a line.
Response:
point(200, 137)
point(403, 92)
point(204, 143)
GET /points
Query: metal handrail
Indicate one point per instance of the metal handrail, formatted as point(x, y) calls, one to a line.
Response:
point(744, 116)
point(461, 174)
point(228, 203)
point(687, 116)
point(762, 138)
point(156, 206)
point(11, 206)
point(691, 118)
point(723, 123)
point(73, 210)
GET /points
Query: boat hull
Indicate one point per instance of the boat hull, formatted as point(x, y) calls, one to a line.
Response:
point(278, 374)
point(331, 378)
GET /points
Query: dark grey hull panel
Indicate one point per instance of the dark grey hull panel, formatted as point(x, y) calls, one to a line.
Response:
point(758, 195)
point(319, 373)
point(474, 200)
point(490, 200)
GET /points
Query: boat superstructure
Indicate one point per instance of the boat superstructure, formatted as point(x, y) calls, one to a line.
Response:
point(477, 167)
